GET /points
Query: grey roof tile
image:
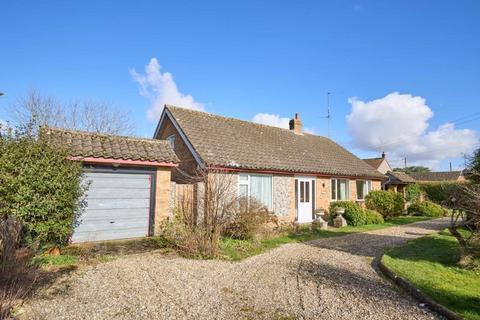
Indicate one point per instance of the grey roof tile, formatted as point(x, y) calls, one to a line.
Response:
point(234, 143)
point(89, 144)
point(436, 176)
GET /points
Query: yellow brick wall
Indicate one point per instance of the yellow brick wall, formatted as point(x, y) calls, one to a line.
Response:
point(162, 197)
point(376, 185)
point(323, 193)
point(352, 187)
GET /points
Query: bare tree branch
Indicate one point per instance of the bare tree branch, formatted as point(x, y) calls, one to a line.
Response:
point(39, 110)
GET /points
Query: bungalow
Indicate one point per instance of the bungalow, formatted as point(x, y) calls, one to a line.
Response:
point(291, 172)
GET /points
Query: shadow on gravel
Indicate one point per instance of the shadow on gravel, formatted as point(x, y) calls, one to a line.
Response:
point(343, 280)
point(372, 244)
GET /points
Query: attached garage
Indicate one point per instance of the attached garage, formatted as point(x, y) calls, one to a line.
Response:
point(120, 205)
point(128, 181)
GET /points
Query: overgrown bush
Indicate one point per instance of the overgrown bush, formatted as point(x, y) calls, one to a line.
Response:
point(387, 203)
point(40, 187)
point(413, 192)
point(253, 221)
point(190, 240)
point(438, 192)
point(354, 213)
point(427, 208)
point(373, 217)
point(17, 275)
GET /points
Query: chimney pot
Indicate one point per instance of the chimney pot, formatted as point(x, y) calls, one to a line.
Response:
point(296, 124)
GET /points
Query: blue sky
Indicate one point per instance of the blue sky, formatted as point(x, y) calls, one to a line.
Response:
point(243, 58)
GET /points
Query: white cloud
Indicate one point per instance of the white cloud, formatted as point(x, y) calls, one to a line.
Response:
point(271, 120)
point(398, 124)
point(161, 89)
point(310, 131)
point(275, 120)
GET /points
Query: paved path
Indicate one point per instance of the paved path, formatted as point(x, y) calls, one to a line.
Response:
point(323, 279)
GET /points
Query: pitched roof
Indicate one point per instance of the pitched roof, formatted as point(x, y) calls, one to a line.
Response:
point(437, 176)
point(89, 144)
point(374, 162)
point(233, 143)
point(399, 177)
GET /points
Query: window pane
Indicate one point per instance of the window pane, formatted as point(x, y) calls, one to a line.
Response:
point(261, 189)
point(360, 189)
point(243, 190)
point(341, 189)
point(307, 191)
point(302, 191)
point(333, 187)
point(243, 177)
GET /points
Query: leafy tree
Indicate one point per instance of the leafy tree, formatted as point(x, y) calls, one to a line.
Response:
point(413, 192)
point(474, 166)
point(40, 187)
point(411, 169)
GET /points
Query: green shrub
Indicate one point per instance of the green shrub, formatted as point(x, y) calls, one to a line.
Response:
point(40, 187)
point(413, 192)
point(399, 204)
point(427, 208)
point(354, 214)
point(373, 217)
point(387, 203)
point(438, 192)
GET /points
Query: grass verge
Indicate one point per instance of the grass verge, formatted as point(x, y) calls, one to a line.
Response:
point(232, 249)
point(429, 263)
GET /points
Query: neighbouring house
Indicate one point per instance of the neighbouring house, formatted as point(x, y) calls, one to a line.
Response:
point(291, 172)
point(129, 182)
point(396, 181)
point(439, 176)
point(380, 164)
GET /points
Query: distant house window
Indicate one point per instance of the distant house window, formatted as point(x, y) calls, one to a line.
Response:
point(363, 188)
point(171, 141)
point(339, 189)
point(258, 187)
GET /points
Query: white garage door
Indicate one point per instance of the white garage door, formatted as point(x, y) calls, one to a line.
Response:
point(118, 207)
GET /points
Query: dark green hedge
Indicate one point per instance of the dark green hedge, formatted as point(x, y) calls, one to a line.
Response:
point(387, 203)
point(438, 192)
point(427, 208)
point(355, 214)
point(40, 187)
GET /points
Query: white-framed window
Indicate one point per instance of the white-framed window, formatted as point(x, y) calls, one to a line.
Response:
point(258, 187)
point(171, 141)
point(340, 190)
point(363, 188)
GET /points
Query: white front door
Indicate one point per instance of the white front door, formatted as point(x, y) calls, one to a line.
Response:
point(305, 193)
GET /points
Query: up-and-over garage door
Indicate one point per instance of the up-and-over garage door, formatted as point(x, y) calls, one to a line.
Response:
point(119, 205)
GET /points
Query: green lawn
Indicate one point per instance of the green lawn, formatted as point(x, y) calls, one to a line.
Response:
point(430, 264)
point(232, 249)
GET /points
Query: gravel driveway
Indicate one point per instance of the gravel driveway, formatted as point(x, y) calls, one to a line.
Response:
point(327, 279)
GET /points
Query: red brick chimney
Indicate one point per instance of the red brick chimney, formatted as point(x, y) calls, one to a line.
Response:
point(296, 124)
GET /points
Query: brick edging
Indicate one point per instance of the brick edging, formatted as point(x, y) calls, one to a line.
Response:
point(416, 293)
